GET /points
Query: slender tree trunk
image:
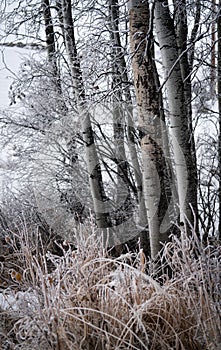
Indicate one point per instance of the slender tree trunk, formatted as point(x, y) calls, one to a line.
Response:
point(170, 199)
point(182, 37)
point(49, 30)
point(56, 79)
point(126, 102)
point(126, 107)
point(185, 164)
point(213, 50)
point(194, 33)
point(149, 118)
point(51, 44)
point(92, 159)
point(123, 179)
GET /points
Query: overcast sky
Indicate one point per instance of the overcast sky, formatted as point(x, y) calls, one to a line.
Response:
point(10, 59)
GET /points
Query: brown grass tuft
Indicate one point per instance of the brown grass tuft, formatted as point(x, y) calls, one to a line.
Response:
point(88, 300)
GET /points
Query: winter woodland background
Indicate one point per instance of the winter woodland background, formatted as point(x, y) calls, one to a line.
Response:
point(110, 164)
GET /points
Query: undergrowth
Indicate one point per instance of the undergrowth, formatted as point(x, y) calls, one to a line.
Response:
point(87, 300)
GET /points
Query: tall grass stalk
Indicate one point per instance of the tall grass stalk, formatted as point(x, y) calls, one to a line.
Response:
point(88, 300)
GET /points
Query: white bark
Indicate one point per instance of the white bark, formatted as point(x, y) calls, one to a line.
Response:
point(147, 102)
point(124, 109)
point(136, 168)
point(92, 159)
point(184, 163)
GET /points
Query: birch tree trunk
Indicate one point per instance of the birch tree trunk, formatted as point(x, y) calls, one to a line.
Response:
point(149, 119)
point(182, 39)
point(51, 46)
point(49, 32)
point(92, 159)
point(57, 90)
point(185, 164)
point(126, 103)
point(123, 179)
point(126, 111)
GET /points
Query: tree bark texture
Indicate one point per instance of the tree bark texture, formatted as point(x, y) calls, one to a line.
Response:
point(123, 179)
point(124, 108)
point(181, 29)
point(92, 159)
point(181, 135)
point(51, 44)
point(149, 119)
point(127, 106)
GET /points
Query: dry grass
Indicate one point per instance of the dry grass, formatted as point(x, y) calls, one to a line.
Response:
point(88, 300)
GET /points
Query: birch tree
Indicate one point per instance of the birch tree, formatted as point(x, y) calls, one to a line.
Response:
point(85, 64)
point(186, 66)
point(123, 178)
point(185, 162)
point(141, 42)
point(92, 159)
point(125, 106)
